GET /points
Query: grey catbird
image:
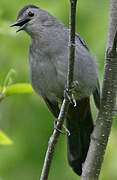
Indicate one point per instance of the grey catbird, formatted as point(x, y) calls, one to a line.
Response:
point(48, 58)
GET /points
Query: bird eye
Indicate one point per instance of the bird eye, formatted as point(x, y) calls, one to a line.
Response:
point(30, 13)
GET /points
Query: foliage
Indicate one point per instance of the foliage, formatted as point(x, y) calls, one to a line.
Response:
point(10, 89)
point(4, 140)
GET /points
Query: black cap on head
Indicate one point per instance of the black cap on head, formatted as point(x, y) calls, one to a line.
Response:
point(25, 8)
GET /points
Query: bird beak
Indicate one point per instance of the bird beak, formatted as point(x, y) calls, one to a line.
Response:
point(22, 23)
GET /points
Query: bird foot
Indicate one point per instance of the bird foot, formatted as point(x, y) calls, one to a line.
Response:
point(60, 131)
point(55, 127)
point(70, 93)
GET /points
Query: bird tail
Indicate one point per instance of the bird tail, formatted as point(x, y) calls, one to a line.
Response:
point(80, 124)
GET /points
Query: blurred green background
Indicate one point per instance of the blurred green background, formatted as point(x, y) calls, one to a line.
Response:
point(25, 118)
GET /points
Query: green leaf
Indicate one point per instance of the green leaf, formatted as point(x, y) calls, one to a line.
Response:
point(19, 88)
point(4, 139)
point(0, 90)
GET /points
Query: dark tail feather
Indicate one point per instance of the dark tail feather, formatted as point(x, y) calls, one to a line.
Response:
point(80, 125)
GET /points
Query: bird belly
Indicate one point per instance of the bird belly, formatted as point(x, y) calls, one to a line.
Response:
point(45, 82)
point(51, 84)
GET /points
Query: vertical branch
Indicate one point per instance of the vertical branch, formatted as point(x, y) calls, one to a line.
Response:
point(65, 104)
point(99, 139)
point(72, 25)
point(113, 23)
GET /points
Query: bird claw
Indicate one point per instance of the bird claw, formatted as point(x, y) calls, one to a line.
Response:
point(60, 131)
point(55, 127)
point(68, 96)
point(67, 131)
point(74, 101)
point(71, 98)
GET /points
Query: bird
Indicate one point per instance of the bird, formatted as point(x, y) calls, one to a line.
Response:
point(48, 59)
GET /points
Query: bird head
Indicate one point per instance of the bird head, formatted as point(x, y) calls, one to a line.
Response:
point(33, 20)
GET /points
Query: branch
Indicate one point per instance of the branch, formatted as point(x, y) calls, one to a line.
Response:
point(99, 139)
point(65, 104)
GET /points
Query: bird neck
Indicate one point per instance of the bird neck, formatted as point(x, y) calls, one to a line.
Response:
point(51, 41)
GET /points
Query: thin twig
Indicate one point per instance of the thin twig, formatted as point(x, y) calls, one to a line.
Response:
point(65, 104)
point(99, 139)
point(3, 94)
point(7, 82)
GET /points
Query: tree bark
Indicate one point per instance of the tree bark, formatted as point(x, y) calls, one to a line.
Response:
point(99, 138)
point(113, 24)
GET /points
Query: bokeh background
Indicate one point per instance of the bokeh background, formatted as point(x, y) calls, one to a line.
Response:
point(25, 118)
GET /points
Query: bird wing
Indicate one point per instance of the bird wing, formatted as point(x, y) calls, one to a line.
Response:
point(53, 107)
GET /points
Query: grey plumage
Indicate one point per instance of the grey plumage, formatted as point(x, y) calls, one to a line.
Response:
point(49, 60)
point(48, 54)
